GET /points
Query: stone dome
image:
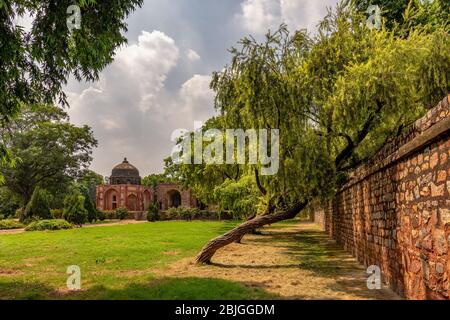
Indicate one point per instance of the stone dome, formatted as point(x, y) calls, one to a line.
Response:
point(125, 173)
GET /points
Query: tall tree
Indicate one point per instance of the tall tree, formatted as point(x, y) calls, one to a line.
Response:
point(336, 99)
point(35, 64)
point(51, 152)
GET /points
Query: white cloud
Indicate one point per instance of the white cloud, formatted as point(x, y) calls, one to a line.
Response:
point(193, 55)
point(132, 112)
point(258, 16)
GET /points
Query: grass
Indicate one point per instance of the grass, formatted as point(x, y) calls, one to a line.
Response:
point(116, 262)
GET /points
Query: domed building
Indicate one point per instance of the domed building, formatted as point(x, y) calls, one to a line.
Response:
point(124, 190)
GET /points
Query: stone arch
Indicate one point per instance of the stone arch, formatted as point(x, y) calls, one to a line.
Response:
point(132, 202)
point(173, 199)
point(111, 199)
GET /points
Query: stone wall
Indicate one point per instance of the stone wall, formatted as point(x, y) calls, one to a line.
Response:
point(395, 211)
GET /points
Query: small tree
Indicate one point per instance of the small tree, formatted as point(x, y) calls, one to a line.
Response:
point(74, 211)
point(89, 204)
point(153, 212)
point(37, 207)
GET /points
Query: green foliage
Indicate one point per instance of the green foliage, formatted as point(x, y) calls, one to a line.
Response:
point(35, 65)
point(38, 206)
point(74, 211)
point(101, 215)
point(8, 202)
point(42, 225)
point(173, 213)
point(52, 152)
point(153, 212)
point(90, 180)
point(336, 99)
point(88, 204)
point(10, 224)
point(241, 197)
point(57, 213)
point(121, 213)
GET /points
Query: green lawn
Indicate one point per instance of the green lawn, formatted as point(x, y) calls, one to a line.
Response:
point(116, 263)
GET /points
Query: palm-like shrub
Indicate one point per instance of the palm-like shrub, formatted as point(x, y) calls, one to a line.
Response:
point(74, 211)
point(153, 212)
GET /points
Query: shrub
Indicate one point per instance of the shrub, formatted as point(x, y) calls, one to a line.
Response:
point(49, 225)
point(89, 204)
point(101, 215)
point(110, 215)
point(10, 224)
point(185, 213)
point(153, 212)
point(196, 213)
point(74, 211)
point(57, 213)
point(173, 213)
point(122, 213)
point(37, 207)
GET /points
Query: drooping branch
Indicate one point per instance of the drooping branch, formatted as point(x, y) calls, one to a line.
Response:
point(346, 153)
point(258, 183)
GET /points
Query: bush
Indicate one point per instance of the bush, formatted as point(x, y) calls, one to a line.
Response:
point(74, 211)
point(186, 213)
point(101, 215)
point(57, 213)
point(122, 213)
point(89, 204)
point(10, 224)
point(49, 225)
point(173, 213)
point(153, 213)
point(37, 207)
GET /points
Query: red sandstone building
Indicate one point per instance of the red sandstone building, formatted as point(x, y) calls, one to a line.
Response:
point(124, 190)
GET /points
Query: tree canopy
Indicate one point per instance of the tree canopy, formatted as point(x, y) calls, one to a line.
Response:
point(336, 98)
point(50, 151)
point(35, 64)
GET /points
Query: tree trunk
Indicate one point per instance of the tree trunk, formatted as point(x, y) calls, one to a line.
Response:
point(237, 233)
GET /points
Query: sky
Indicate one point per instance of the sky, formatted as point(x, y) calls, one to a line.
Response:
point(159, 81)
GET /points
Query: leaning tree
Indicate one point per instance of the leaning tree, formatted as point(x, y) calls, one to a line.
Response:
point(336, 99)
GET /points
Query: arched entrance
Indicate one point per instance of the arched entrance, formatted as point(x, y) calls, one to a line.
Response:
point(174, 199)
point(111, 200)
point(132, 203)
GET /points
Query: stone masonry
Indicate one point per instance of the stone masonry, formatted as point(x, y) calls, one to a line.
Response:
point(395, 211)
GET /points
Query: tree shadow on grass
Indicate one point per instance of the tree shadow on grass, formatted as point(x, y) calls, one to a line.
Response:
point(156, 289)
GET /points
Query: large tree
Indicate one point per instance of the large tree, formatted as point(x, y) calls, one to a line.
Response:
point(35, 64)
point(336, 99)
point(50, 151)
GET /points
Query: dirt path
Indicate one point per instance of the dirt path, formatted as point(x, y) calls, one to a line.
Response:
point(293, 262)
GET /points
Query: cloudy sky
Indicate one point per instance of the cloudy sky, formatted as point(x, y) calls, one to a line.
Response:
point(159, 82)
